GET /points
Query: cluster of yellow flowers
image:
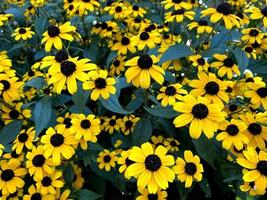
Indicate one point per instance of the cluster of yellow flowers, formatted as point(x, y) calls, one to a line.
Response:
point(90, 85)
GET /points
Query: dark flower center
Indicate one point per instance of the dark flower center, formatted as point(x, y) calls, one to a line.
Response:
point(137, 20)
point(46, 181)
point(128, 124)
point(253, 32)
point(125, 41)
point(71, 7)
point(128, 162)
point(53, 31)
point(202, 23)
point(212, 88)
point(233, 107)
point(248, 49)
point(31, 73)
point(57, 140)
point(14, 154)
point(7, 175)
point(178, 12)
point(262, 167)
point(67, 68)
point(85, 124)
point(22, 31)
point(104, 25)
point(177, 1)
point(173, 143)
point(145, 62)
point(86, 1)
point(250, 80)
point(38, 160)
point(144, 36)
point(13, 114)
point(152, 197)
point(67, 122)
point(135, 7)
point(100, 83)
point(116, 63)
point(118, 9)
point(23, 137)
point(201, 61)
point(255, 128)
point(255, 45)
point(200, 111)
point(112, 122)
point(61, 56)
point(224, 8)
point(6, 85)
point(152, 163)
point(190, 168)
point(262, 92)
point(167, 36)
point(232, 129)
point(170, 91)
point(240, 15)
point(229, 89)
point(107, 158)
point(36, 196)
point(264, 11)
point(228, 62)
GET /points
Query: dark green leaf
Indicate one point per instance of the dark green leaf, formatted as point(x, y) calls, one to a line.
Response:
point(10, 132)
point(160, 111)
point(17, 46)
point(68, 174)
point(241, 58)
point(85, 194)
point(142, 131)
point(37, 83)
point(175, 52)
point(39, 26)
point(80, 100)
point(218, 41)
point(258, 66)
point(42, 114)
point(112, 104)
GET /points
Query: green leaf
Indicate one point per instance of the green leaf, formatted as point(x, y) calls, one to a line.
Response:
point(80, 100)
point(137, 101)
point(113, 104)
point(241, 58)
point(142, 131)
point(258, 66)
point(42, 114)
point(175, 52)
point(85, 194)
point(17, 46)
point(89, 19)
point(37, 83)
point(68, 174)
point(40, 24)
point(160, 111)
point(218, 41)
point(10, 132)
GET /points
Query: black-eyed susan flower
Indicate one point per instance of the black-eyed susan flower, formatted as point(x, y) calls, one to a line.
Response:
point(117, 66)
point(58, 145)
point(257, 95)
point(4, 18)
point(256, 165)
point(67, 74)
point(146, 39)
point(6, 64)
point(233, 134)
point(225, 65)
point(243, 18)
point(107, 160)
point(123, 45)
point(151, 167)
point(171, 144)
point(209, 86)
point(201, 26)
point(256, 132)
point(54, 61)
point(145, 195)
point(252, 35)
point(222, 12)
point(176, 4)
point(170, 94)
point(250, 188)
point(35, 193)
point(257, 13)
point(141, 69)
point(199, 62)
point(119, 10)
point(10, 88)
point(38, 164)
point(78, 179)
point(50, 182)
point(23, 33)
point(86, 6)
point(14, 196)
point(179, 15)
point(100, 84)
point(188, 169)
point(200, 113)
point(24, 139)
point(31, 74)
point(11, 175)
point(138, 11)
point(85, 127)
point(128, 123)
point(64, 123)
point(157, 140)
point(124, 161)
point(54, 35)
point(2, 148)
point(112, 124)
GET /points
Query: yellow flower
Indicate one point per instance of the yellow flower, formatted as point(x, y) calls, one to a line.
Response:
point(24, 139)
point(176, 4)
point(252, 35)
point(256, 13)
point(124, 162)
point(141, 68)
point(199, 62)
point(201, 114)
point(257, 95)
point(106, 159)
point(35, 192)
point(123, 44)
point(23, 33)
point(146, 39)
point(188, 169)
point(128, 123)
point(179, 15)
point(54, 34)
point(111, 124)
point(100, 84)
point(151, 167)
point(201, 26)
point(145, 195)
